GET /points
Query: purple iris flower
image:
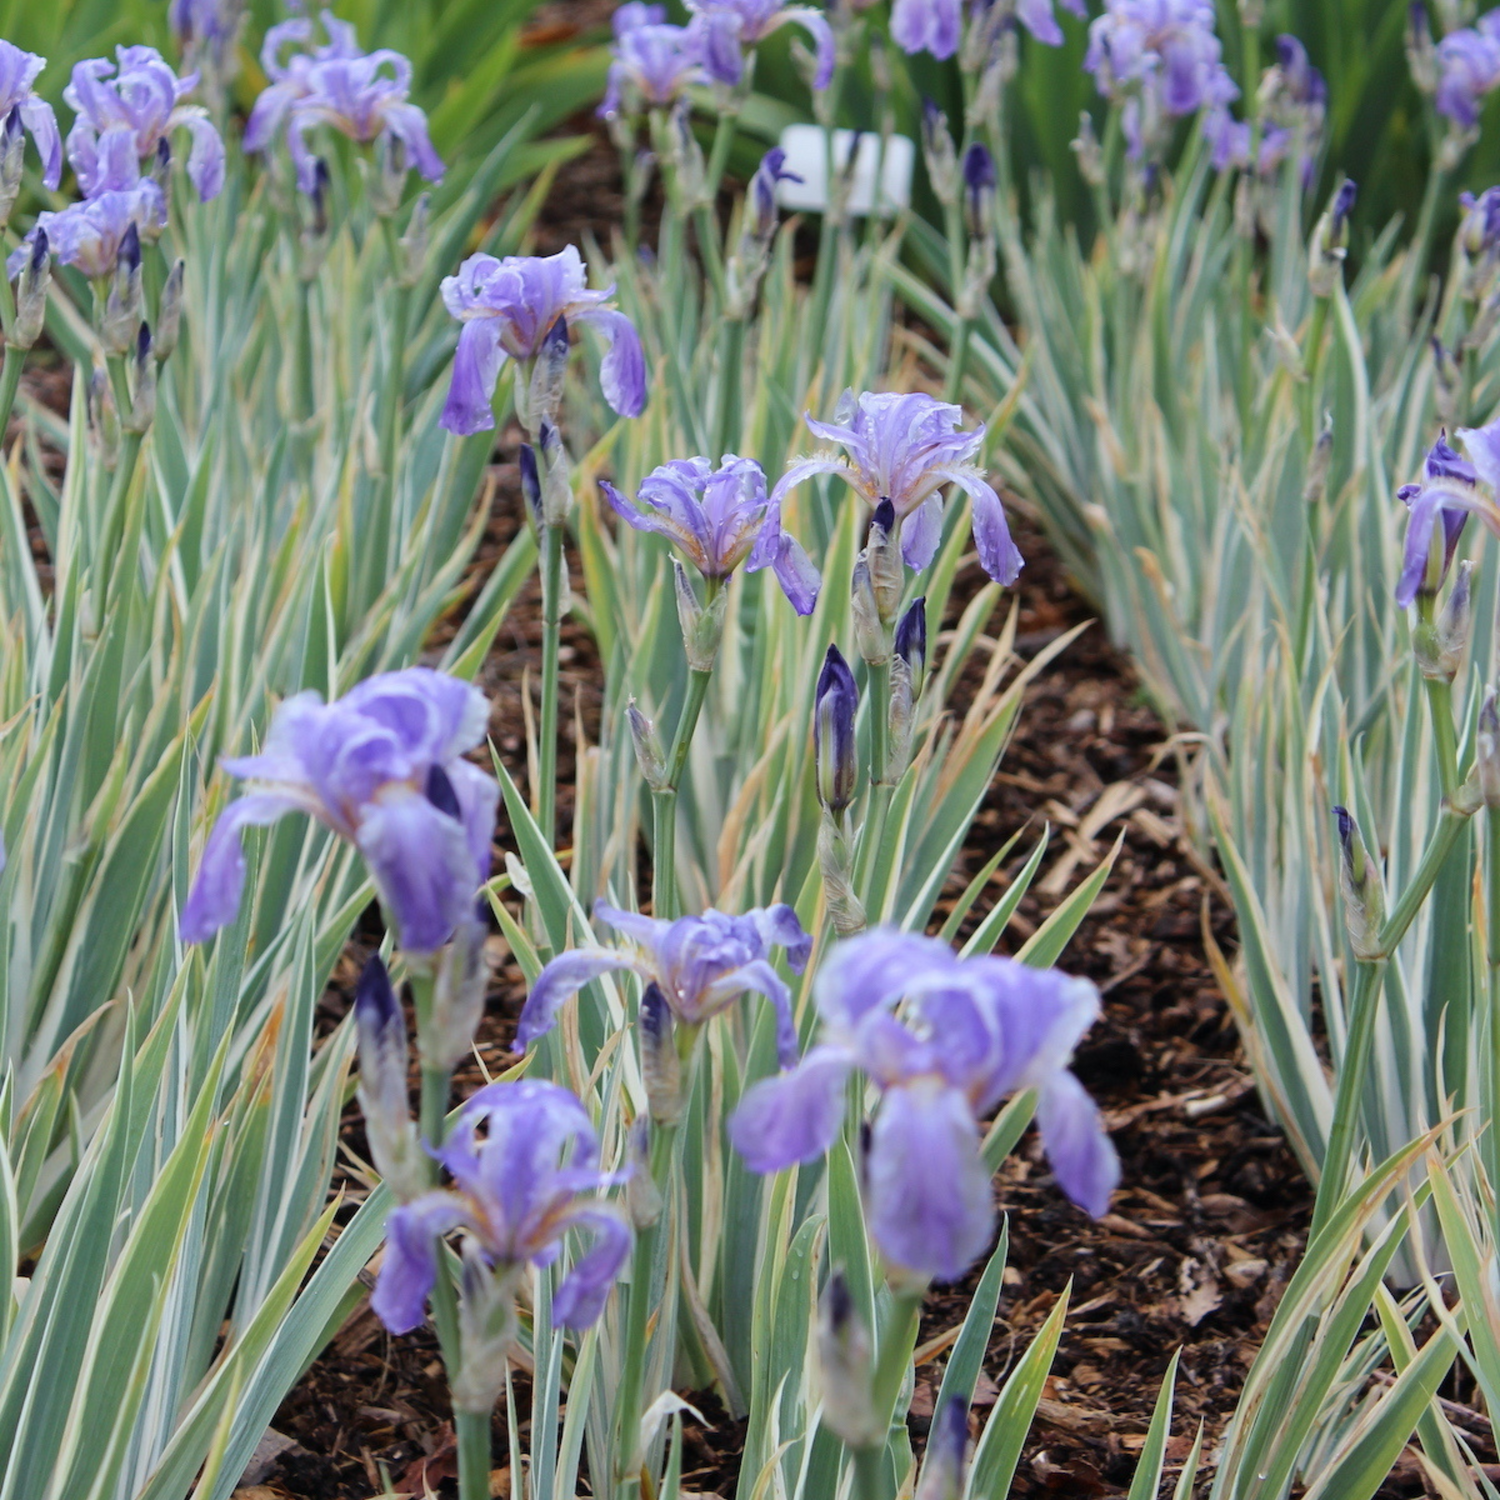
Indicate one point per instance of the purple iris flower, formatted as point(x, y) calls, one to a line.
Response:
point(1468, 69)
point(905, 448)
point(207, 29)
point(652, 64)
point(636, 13)
point(1161, 59)
point(835, 755)
point(719, 519)
point(700, 964)
point(18, 72)
point(382, 766)
point(141, 104)
point(935, 25)
point(1480, 231)
point(1452, 489)
point(728, 27)
point(365, 96)
point(89, 234)
point(969, 1032)
point(516, 1193)
point(508, 307)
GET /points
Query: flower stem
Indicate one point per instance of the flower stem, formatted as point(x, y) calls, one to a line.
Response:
point(552, 587)
point(898, 1337)
point(628, 1457)
point(10, 383)
point(473, 1429)
point(664, 802)
point(1440, 702)
point(872, 833)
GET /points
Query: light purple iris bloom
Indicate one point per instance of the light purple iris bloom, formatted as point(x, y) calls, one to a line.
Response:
point(1468, 69)
point(89, 234)
point(905, 449)
point(729, 27)
point(382, 767)
point(969, 1032)
point(652, 64)
point(1480, 231)
point(18, 72)
point(1451, 491)
point(719, 519)
point(364, 96)
point(508, 307)
point(935, 25)
point(1161, 59)
point(701, 964)
point(141, 104)
point(516, 1193)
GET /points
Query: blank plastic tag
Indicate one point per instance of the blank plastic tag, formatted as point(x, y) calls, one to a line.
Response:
point(806, 148)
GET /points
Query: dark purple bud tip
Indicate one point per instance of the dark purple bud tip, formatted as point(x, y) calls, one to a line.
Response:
point(441, 794)
point(321, 189)
point(979, 168)
point(531, 481)
point(13, 124)
point(656, 1016)
point(1417, 15)
point(374, 999)
point(911, 632)
point(1445, 462)
point(1343, 203)
point(164, 153)
point(39, 248)
point(1344, 820)
point(130, 249)
point(839, 1301)
point(143, 343)
point(932, 116)
point(885, 516)
point(556, 340)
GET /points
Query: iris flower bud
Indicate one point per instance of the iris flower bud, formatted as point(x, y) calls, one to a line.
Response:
point(947, 1447)
point(169, 312)
point(1455, 622)
point(315, 231)
point(835, 704)
point(906, 681)
point(142, 384)
point(938, 154)
point(1421, 55)
point(388, 180)
point(979, 190)
point(545, 389)
point(642, 1196)
point(1315, 483)
point(846, 1361)
point(660, 1066)
point(104, 417)
point(31, 294)
point(911, 642)
point(702, 625)
point(12, 148)
point(122, 308)
point(649, 755)
point(1330, 242)
point(1085, 146)
point(161, 164)
point(458, 997)
point(1487, 751)
point(382, 1082)
point(531, 482)
point(1360, 887)
point(557, 486)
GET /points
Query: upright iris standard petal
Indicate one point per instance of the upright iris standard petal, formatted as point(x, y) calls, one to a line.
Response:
point(1468, 61)
point(18, 72)
point(943, 1038)
point(927, 26)
point(651, 65)
point(729, 26)
point(906, 449)
point(364, 766)
point(1452, 489)
point(719, 519)
point(507, 308)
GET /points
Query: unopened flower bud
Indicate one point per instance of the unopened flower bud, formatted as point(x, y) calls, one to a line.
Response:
point(1315, 481)
point(142, 383)
point(315, 230)
point(388, 180)
point(545, 388)
point(846, 1362)
point(122, 308)
point(907, 670)
point(1085, 146)
point(1330, 243)
point(1421, 55)
point(685, 156)
point(642, 1196)
point(557, 483)
point(911, 642)
point(531, 482)
point(12, 156)
point(836, 701)
point(161, 164)
point(458, 996)
point(702, 625)
point(660, 1067)
point(1360, 887)
point(413, 244)
point(979, 190)
point(104, 418)
point(938, 154)
point(1487, 751)
point(947, 1448)
point(649, 755)
point(382, 1082)
point(31, 293)
point(169, 311)
point(1455, 622)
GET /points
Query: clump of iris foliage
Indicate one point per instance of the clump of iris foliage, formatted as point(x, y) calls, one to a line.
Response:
point(759, 1095)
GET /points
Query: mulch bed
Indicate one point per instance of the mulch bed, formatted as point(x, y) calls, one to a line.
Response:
point(1211, 1217)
